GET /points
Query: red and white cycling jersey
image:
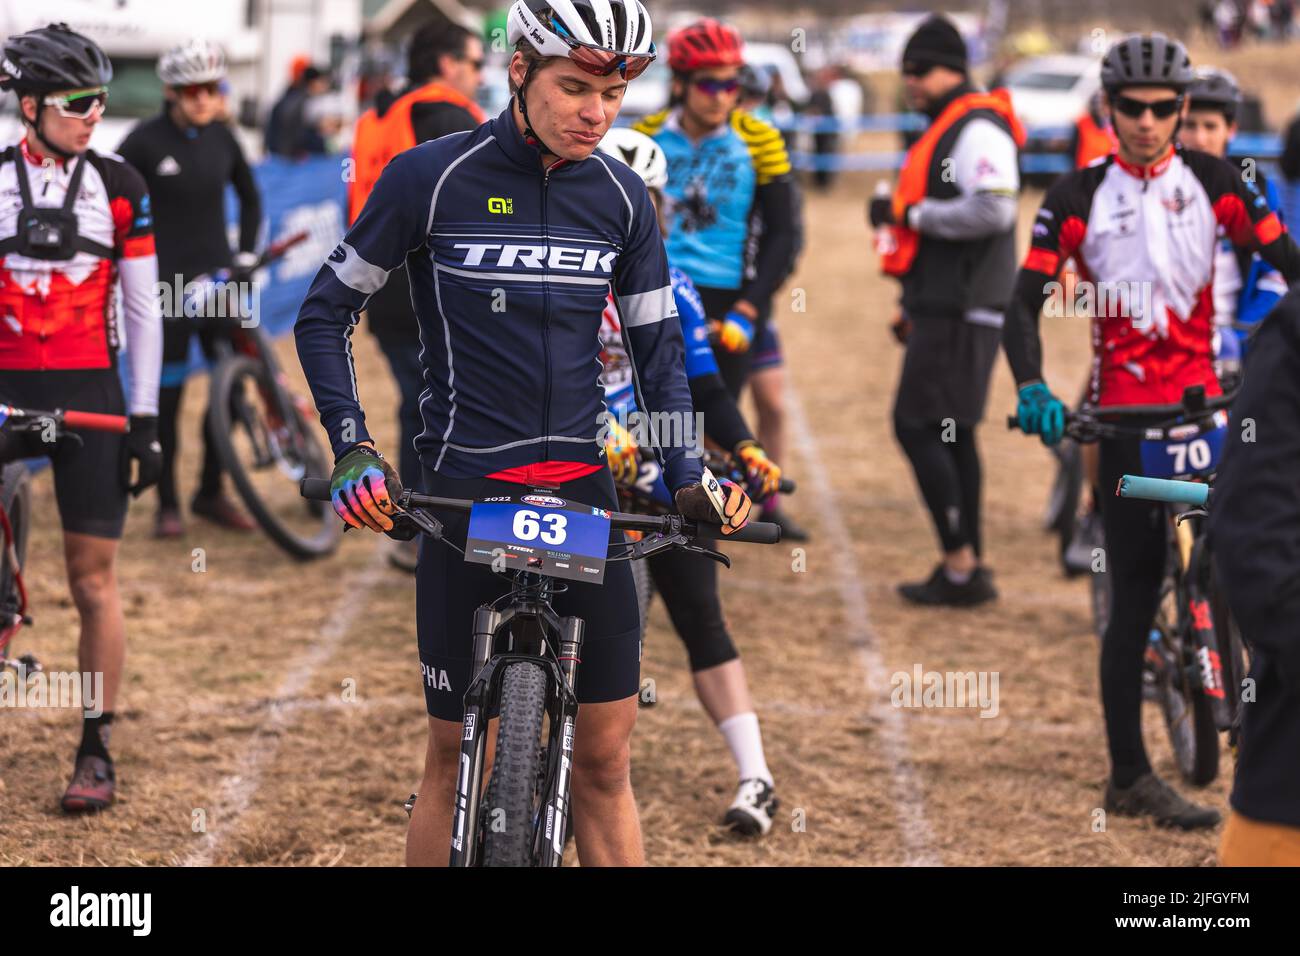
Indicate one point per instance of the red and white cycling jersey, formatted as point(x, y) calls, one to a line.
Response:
point(62, 314)
point(1146, 240)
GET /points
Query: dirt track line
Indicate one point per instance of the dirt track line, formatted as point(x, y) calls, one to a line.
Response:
point(907, 794)
point(239, 789)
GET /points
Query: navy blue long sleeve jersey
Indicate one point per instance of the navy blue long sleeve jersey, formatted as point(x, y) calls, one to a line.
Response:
point(509, 266)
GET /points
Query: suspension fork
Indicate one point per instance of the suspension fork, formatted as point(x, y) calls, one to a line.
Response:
point(548, 847)
point(1203, 640)
point(473, 745)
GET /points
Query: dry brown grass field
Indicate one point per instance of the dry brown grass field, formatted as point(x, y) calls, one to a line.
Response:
point(234, 712)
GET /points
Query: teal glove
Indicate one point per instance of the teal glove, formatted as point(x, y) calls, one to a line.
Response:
point(1041, 413)
point(359, 489)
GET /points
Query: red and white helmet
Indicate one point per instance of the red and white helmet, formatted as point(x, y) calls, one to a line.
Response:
point(600, 36)
point(194, 61)
point(703, 45)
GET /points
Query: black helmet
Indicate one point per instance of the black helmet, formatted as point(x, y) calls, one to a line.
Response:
point(53, 58)
point(754, 81)
point(1212, 88)
point(1146, 60)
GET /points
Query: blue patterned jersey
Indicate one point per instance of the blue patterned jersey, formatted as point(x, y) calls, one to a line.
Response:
point(711, 186)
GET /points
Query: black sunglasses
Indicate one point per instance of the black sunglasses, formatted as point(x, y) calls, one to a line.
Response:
point(1160, 109)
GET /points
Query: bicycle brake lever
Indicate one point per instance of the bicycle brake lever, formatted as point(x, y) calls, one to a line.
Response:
point(649, 546)
point(1194, 513)
point(709, 553)
point(425, 522)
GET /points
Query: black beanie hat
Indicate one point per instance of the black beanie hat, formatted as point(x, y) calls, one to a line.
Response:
point(936, 42)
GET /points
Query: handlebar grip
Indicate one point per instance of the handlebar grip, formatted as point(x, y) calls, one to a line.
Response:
point(1163, 489)
point(756, 532)
point(315, 489)
point(787, 486)
point(95, 422)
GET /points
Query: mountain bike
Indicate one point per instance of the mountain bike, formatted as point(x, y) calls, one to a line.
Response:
point(22, 432)
point(1230, 648)
point(264, 433)
point(1183, 667)
point(526, 656)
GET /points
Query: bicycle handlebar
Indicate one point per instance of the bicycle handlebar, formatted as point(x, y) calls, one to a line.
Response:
point(756, 532)
point(1163, 489)
point(94, 421)
point(26, 418)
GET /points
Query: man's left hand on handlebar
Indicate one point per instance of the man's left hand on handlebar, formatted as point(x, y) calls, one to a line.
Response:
point(359, 489)
point(694, 502)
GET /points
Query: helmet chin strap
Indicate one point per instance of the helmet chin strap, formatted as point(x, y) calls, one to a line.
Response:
point(45, 143)
point(529, 132)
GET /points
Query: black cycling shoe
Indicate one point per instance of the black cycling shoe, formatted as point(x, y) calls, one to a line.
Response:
point(940, 590)
point(791, 530)
point(1149, 796)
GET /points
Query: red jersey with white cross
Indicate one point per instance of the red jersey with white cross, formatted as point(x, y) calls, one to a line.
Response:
point(1145, 238)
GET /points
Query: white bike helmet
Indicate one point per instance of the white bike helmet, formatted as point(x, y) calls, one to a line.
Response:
point(639, 151)
point(195, 61)
point(601, 36)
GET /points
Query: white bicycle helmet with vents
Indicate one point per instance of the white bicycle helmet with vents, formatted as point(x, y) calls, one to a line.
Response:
point(192, 62)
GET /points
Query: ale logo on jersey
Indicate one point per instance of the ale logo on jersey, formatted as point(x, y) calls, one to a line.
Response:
point(502, 205)
point(543, 501)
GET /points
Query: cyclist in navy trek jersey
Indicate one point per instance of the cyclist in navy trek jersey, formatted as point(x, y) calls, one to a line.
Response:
point(519, 204)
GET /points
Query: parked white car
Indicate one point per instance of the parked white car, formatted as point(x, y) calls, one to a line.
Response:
point(1053, 90)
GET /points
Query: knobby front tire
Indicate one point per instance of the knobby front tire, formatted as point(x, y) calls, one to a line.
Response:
point(510, 810)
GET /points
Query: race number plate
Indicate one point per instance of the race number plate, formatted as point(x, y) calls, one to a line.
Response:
point(1180, 457)
point(539, 533)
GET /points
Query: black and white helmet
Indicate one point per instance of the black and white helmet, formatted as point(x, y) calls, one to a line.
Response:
point(1146, 59)
point(194, 61)
point(640, 152)
point(53, 58)
point(557, 27)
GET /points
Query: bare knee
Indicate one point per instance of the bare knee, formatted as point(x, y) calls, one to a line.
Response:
point(93, 590)
point(602, 758)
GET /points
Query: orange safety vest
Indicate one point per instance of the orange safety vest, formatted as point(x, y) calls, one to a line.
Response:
point(915, 174)
point(1094, 141)
point(379, 138)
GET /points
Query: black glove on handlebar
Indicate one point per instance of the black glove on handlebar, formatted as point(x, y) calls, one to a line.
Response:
point(142, 447)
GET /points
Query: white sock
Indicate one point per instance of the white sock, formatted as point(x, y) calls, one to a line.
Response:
point(746, 743)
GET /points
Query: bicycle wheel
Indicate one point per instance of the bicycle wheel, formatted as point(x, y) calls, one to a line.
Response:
point(267, 456)
point(510, 808)
point(1063, 500)
point(1189, 718)
point(15, 498)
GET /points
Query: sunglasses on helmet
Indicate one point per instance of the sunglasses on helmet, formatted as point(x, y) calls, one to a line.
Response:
point(1160, 109)
point(601, 62)
point(80, 104)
